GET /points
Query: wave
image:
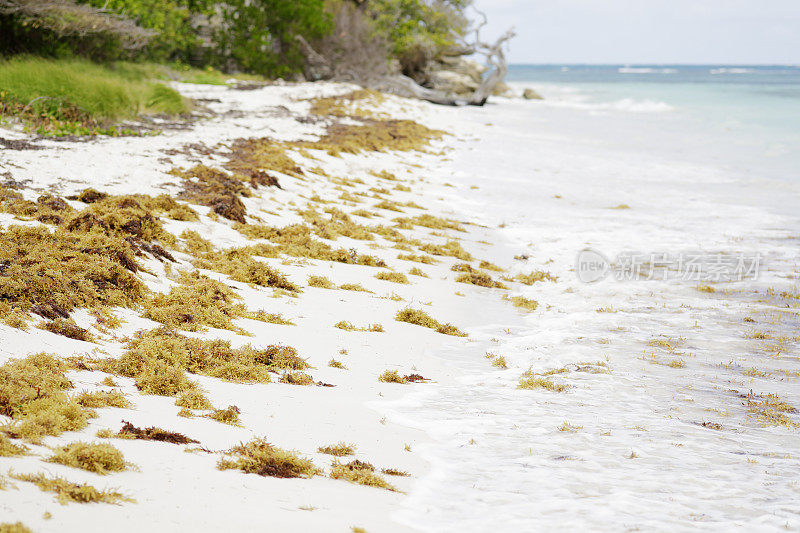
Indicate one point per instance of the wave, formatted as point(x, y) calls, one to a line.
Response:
point(731, 70)
point(646, 70)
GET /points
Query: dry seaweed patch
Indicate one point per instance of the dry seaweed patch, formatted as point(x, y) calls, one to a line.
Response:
point(158, 359)
point(197, 301)
point(32, 394)
point(418, 258)
point(348, 105)
point(11, 449)
point(229, 415)
point(262, 458)
point(569, 428)
point(388, 205)
point(333, 363)
point(271, 318)
point(353, 287)
point(706, 288)
point(347, 326)
point(67, 492)
point(421, 318)
point(129, 431)
point(53, 273)
point(486, 265)
point(535, 277)
point(481, 279)
point(530, 381)
point(320, 282)
point(340, 449)
point(67, 327)
point(771, 410)
point(98, 458)
point(428, 221)
point(450, 249)
point(418, 272)
point(394, 277)
point(395, 472)
point(298, 378)
point(373, 136)
point(392, 376)
point(16, 527)
point(360, 473)
point(193, 399)
point(297, 241)
point(100, 399)
point(528, 304)
point(239, 265)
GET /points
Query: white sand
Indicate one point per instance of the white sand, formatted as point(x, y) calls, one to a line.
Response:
point(484, 456)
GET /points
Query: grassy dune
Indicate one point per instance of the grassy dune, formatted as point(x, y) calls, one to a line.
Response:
point(79, 90)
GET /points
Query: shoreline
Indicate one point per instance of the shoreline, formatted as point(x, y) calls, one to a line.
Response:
point(481, 451)
point(179, 490)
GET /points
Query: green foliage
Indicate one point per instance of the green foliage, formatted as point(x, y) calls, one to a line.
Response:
point(76, 96)
point(419, 29)
point(176, 37)
point(260, 34)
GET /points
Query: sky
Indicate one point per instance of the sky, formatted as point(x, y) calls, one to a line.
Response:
point(648, 31)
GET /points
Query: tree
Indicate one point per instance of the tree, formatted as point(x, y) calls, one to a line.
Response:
point(260, 35)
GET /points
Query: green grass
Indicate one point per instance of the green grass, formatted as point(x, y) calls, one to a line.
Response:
point(80, 92)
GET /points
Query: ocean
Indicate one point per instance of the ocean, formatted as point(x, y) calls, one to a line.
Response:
point(657, 428)
point(747, 117)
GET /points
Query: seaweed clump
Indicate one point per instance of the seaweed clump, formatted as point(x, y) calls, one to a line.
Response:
point(98, 458)
point(360, 473)
point(421, 318)
point(262, 458)
point(32, 394)
point(197, 301)
point(67, 492)
point(158, 360)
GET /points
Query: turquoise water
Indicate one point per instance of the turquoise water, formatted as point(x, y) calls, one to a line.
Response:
point(749, 115)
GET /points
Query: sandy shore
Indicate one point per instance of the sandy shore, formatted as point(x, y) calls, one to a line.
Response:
point(659, 404)
point(179, 491)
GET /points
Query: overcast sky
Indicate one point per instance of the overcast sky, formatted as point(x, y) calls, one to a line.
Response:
point(648, 31)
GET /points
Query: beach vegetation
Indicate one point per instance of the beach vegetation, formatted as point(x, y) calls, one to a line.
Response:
point(8, 448)
point(481, 279)
point(418, 272)
point(428, 221)
point(262, 458)
point(67, 327)
point(421, 318)
point(16, 527)
point(98, 458)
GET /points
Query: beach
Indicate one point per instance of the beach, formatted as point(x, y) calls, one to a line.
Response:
point(653, 398)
